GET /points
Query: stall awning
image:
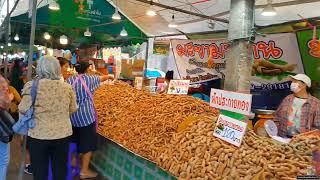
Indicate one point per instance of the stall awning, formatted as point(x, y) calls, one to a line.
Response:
point(74, 18)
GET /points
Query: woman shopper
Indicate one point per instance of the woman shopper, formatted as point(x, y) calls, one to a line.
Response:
point(16, 77)
point(54, 104)
point(5, 102)
point(65, 68)
point(15, 102)
point(84, 120)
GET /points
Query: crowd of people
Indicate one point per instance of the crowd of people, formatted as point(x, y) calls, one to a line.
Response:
point(64, 112)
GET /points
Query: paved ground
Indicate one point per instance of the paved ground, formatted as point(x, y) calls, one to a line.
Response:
point(15, 163)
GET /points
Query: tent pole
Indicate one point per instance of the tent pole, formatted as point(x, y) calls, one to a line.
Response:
point(147, 57)
point(7, 41)
point(240, 36)
point(32, 36)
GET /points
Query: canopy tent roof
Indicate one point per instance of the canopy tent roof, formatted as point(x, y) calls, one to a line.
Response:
point(287, 10)
point(73, 21)
point(134, 11)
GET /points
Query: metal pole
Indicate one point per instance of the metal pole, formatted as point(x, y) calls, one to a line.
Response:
point(147, 57)
point(32, 36)
point(7, 41)
point(239, 57)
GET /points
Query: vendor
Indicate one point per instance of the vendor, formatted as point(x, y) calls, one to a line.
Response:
point(299, 112)
point(168, 78)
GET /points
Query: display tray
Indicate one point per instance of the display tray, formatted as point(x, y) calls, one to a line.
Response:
point(113, 161)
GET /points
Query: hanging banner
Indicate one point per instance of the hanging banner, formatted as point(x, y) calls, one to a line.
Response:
point(309, 43)
point(161, 47)
point(276, 57)
point(200, 60)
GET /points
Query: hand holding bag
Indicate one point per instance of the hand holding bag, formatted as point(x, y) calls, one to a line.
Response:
point(26, 121)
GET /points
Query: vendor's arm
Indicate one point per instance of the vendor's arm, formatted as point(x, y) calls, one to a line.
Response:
point(26, 98)
point(106, 77)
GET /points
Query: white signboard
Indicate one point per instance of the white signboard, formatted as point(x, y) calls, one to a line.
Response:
point(230, 130)
point(178, 87)
point(231, 101)
point(200, 60)
point(276, 57)
point(138, 82)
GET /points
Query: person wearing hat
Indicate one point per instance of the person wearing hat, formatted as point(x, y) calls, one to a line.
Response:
point(298, 112)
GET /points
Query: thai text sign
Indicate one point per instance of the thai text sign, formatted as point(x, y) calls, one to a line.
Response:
point(231, 101)
point(276, 57)
point(230, 130)
point(179, 87)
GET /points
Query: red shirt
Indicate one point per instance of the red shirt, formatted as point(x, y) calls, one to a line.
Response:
point(310, 115)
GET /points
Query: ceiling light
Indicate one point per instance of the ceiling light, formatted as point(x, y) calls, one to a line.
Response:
point(172, 24)
point(54, 6)
point(116, 15)
point(16, 37)
point(87, 33)
point(123, 32)
point(9, 44)
point(269, 10)
point(1, 47)
point(151, 11)
point(63, 40)
point(46, 36)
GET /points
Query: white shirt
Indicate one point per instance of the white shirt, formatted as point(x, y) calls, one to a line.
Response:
point(294, 117)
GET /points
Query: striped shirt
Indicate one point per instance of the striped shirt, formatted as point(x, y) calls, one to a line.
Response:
point(86, 112)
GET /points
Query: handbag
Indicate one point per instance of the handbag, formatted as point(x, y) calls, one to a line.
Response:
point(26, 121)
point(6, 123)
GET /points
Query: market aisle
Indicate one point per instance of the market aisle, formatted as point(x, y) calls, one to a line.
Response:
point(15, 163)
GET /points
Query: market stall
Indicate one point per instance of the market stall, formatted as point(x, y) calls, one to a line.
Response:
point(145, 135)
point(175, 133)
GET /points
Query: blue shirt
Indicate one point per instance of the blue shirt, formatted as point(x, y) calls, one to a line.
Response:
point(86, 112)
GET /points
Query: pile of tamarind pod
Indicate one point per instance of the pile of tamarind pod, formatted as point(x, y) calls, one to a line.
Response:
point(110, 100)
point(142, 122)
point(196, 154)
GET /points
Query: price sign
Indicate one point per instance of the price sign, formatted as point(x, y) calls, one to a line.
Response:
point(230, 130)
point(138, 82)
point(231, 101)
point(178, 87)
